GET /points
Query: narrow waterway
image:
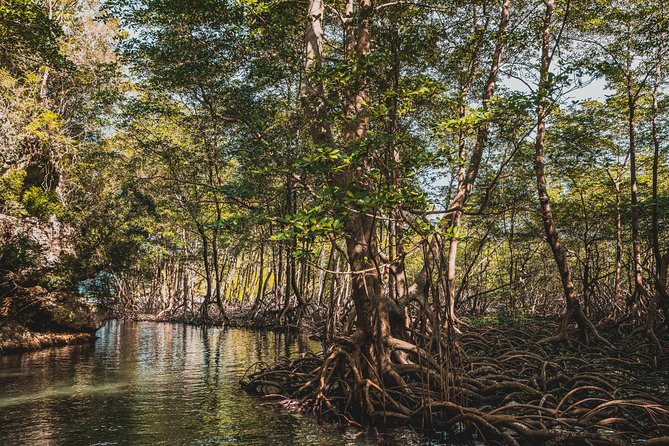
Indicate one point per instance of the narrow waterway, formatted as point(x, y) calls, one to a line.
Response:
point(160, 384)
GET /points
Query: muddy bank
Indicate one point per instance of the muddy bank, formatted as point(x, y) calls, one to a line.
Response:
point(16, 338)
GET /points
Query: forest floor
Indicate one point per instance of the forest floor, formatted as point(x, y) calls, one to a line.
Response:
point(506, 387)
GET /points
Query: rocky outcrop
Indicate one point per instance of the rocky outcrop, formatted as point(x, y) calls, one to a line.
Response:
point(58, 311)
point(51, 238)
point(30, 315)
point(34, 318)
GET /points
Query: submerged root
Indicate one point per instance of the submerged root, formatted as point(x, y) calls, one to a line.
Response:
point(508, 389)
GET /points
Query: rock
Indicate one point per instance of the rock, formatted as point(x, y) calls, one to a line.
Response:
point(39, 310)
point(51, 237)
point(31, 252)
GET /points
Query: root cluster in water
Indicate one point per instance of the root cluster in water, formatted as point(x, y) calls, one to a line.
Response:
point(498, 386)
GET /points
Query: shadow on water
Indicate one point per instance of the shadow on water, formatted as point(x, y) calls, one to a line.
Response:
point(159, 384)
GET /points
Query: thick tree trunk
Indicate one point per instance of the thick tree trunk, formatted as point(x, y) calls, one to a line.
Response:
point(372, 325)
point(313, 97)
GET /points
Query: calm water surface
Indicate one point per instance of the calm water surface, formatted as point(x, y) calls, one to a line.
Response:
point(159, 384)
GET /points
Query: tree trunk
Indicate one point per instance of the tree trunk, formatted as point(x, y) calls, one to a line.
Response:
point(466, 180)
point(573, 305)
point(661, 298)
point(204, 307)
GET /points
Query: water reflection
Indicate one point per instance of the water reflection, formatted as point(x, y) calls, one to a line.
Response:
point(158, 384)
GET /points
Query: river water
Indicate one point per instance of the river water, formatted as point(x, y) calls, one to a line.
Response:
point(160, 384)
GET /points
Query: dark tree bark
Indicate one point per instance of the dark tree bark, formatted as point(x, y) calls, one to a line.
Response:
point(661, 298)
point(573, 305)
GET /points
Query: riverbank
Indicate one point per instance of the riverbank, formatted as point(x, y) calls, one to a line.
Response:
point(34, 318)
point(235, 318)
point(15, 338)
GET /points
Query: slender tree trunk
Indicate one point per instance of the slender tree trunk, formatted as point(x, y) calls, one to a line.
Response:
point(661, 297)
point(573, 305)
point(261, 274)
point(468, 178)
point(512, 262)
point(204, 308)
point(639, 289)
point(217, 272)
point(619, 239)
point(462, 154)
point(632, 96)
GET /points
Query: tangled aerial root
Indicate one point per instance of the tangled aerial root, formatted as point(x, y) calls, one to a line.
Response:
point(507, 389)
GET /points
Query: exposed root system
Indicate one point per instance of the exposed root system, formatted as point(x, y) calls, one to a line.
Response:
point(503, 387)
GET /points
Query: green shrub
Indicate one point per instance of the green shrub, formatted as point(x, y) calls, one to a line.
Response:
point(18, 254)
point(40, 203)
point(11, 185)
point(55, 282)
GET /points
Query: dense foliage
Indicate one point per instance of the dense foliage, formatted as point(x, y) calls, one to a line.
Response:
point(182, 150)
